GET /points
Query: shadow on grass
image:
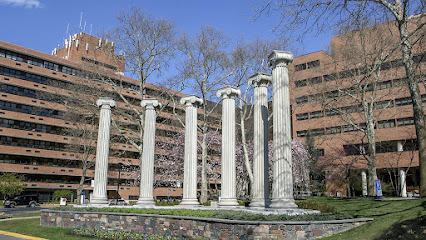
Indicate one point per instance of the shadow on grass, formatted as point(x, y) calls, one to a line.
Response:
point(410, 229)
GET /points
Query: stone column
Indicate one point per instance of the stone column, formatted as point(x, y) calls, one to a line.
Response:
point(282, 188)
point(364, 183)
point(102, 152)
point(260, 82)
point(146, 195)
point(190, 159)
point(402, 178)
point(228, 192)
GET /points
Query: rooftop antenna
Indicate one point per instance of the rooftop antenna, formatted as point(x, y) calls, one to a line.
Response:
point(81, 18)
point(84, 29)
point(91, 25)
point(67, 32)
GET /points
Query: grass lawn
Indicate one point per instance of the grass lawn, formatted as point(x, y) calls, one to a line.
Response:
point(32, 227)
point(387, 215)
point(26, 215)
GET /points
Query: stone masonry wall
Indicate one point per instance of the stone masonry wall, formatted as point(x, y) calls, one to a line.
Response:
point(195, 227)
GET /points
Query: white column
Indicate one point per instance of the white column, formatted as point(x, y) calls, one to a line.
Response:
point(190, 158)
point(399, 146)
point(102, 151)
point(364, 183)
point(228, 190)
point(282, 187)
point(402, 178)
point(146, 195)
point(260, 82)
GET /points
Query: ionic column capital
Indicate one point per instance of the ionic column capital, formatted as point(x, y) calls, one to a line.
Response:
point(105, 102)
point(191, 100)
point(280, 58)
point(228, 92)
point(260, 80)
point(150, 104)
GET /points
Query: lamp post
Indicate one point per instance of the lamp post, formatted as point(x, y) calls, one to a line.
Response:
point(118, 182)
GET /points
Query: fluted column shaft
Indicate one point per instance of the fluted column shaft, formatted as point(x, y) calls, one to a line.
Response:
point(364, 183)
point(282, 188)
point(260, 83)
point(190, 157)
point(403, 182)
point(102, 152)
point(228, 186)
point(146, 195)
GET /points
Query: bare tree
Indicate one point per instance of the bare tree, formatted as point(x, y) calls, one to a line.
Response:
point(202, 72)
point(408, 20)
point(354, 96)
point(146, 45)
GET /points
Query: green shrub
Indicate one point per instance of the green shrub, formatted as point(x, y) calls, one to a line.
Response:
point(322, 207)
point(222, 214)
point(62, 194)
point(207, 204)
point(166, 203)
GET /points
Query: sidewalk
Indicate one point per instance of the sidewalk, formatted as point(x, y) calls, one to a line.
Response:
point(15, 236)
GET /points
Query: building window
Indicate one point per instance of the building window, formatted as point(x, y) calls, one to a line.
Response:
point(331, 112)
point(330, 77)
point(345, 74)
point(302, 116)
point(384, 104)
point(384, 85)
point(397, 63)
point(302, 133)
point(317, 132)
point(399, 82)
point(405, 121)
point(315, 97)
point(302, 99)
point(385, 66)
point(301, 83)
point(300, 67)
point(313, 64)
point(333, 130)
point(386, 123)
point(403, 101)
point(332, 94)
point(315, 80)
point(349, 128)
point(317, 114)
point(349, 109)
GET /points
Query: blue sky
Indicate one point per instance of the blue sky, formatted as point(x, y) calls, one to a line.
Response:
point(41, 24)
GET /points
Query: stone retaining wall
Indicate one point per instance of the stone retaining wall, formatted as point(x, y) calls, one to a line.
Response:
point(195, 227)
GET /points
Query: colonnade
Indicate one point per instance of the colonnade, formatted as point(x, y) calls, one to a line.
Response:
point(282, 191)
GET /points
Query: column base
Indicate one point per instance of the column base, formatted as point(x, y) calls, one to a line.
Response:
point(228, 202)
point(146, 202)
point(283, 203)
point(100, 200)
point(260, 203)
point(190, 202)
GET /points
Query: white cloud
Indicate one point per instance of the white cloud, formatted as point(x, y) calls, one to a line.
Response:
point(23, 3)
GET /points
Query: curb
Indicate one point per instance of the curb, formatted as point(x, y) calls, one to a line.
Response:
point(17, 235)
point(20, 218)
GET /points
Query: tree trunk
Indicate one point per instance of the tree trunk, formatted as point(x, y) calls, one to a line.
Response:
point(246, 156)
point(419, 119)
point(372, 173)
point(204, 190)
point(81, 184)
